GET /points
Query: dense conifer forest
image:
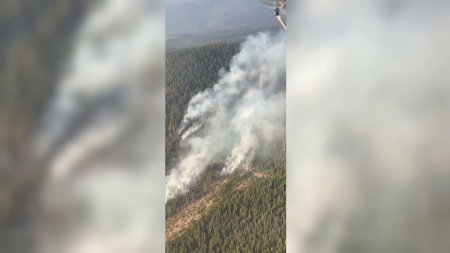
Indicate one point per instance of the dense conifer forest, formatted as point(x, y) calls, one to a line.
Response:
point(248, 212)
point(189, 71)
point(248, 219)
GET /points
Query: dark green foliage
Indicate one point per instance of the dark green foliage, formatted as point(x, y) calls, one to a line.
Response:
point(197, 190)
point(248, 219)
point(189, 71)
point(252, 219)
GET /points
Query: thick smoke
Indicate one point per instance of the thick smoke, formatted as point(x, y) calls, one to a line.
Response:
point(102, 138)
point(243, 111)
point(368, 118)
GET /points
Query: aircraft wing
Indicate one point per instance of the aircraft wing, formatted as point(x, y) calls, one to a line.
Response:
point(270, 3)
point(274, 3)
point(277, 5)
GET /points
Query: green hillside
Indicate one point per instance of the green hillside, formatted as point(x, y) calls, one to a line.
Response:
point(248, 211)
point(189, 71)
point(243, 220)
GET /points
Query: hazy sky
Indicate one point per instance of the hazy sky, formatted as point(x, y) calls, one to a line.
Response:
point(210, 16)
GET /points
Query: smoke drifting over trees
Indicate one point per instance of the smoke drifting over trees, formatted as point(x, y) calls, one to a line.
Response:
point(243, 111)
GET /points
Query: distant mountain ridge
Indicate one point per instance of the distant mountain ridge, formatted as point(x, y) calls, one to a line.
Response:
point(203, 17)
point(217, 36)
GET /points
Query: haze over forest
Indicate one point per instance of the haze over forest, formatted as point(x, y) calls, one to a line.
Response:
point(200, 22)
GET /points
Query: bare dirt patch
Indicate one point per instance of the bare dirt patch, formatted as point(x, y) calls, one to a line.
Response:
point(193, 211)
point(244, 184)
point(199, 207)
point(260, 174)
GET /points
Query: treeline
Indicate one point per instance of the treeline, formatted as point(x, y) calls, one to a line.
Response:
point(196, 190)
point(251, 219)
point(189, 71)
point(243, 219)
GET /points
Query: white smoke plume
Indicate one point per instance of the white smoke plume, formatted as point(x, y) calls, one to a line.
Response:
point(102, 137)
point(193, 129)
point(243, 111)
point(368, 147)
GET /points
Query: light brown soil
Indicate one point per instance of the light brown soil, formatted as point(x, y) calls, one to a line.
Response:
point(260, 174)
point(242, 185)
point(193, 212)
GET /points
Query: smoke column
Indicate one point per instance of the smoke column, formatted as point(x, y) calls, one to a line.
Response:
point(102, 136)
point(368, 147)
point(243, 111)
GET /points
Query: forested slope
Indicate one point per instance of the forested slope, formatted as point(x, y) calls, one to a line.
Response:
point(189, 71)
point(250, 219)
point(247, 212)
